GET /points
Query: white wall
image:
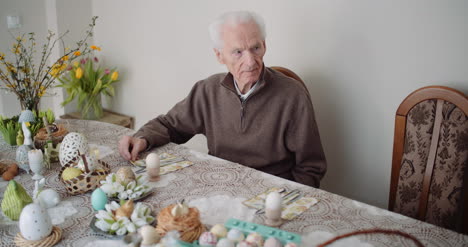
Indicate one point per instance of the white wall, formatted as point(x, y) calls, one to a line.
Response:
point(33, 19)
point(359, 58)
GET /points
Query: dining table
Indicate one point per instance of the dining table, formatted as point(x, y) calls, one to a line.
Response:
point(217, 188)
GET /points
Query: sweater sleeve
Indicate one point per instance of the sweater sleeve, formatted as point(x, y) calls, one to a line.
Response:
point(303, 140)
point(180, 124)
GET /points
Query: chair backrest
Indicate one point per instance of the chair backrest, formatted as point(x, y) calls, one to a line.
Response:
point(429, 179)
point(291, 74)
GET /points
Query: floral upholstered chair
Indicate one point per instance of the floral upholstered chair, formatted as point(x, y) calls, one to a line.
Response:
point(429, 178)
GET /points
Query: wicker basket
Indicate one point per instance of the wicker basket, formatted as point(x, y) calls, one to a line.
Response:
point(86, 181)
point(40, 140)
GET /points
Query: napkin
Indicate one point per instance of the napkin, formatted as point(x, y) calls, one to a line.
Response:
point(289, 211)
point(166, 157)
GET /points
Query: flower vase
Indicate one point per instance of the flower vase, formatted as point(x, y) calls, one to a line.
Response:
point(92, 108)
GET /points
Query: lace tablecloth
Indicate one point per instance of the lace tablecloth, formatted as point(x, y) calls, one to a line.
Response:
point(218, 187)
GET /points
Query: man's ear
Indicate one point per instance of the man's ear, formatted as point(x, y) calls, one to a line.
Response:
point(219, 56)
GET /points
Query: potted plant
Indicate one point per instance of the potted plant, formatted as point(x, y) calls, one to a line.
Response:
point(9, 127)
point(86, 80)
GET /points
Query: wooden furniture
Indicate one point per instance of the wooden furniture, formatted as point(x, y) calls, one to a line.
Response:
point(108, 117)
point(291, 74)
point(434, 112)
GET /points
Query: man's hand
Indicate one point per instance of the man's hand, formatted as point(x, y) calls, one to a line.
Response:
point(130, 147)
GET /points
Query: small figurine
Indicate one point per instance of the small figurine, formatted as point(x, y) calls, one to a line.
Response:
point(46, 198)
point(152, 166)
point(19, 138)
point(25, 119)
point(273, 207)
point(22, 152)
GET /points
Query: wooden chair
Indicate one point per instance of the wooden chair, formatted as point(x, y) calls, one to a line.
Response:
point(429, 179)
point(291, 74)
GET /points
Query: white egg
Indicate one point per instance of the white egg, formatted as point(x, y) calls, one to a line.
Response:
point(34, 222)
point(149, 235)
point(152, 160)
point(225, 243)
point(235, 235)
point(273, 200)
point(49, 198)
point(272, 242)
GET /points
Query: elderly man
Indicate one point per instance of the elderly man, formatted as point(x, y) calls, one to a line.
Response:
point(252, 115)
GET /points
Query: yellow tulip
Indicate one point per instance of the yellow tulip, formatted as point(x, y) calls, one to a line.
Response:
point(115, 76)
point(76, 64)
point(78, 73)
point(93, 47)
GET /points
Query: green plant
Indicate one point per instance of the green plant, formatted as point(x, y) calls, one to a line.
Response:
point(86, 81)
point(9, 127)
point(30, 81)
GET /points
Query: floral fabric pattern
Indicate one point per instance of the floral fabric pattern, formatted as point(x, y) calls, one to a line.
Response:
point(445, 190)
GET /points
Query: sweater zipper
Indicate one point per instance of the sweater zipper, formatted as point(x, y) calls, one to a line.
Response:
point(242, 117)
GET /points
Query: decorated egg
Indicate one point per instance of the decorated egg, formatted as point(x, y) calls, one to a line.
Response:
point(34, 222)
point(219, 230)
point(207, 239)
point(70, 173)
point(224, 242)
point(272, 242)
point(255, 238)
point(149, 235)
point(125, 175)
point(246, 244)
point(290, 245)
point(72, 144)
point(49, 198)
point(235, 235)
point(99, 199)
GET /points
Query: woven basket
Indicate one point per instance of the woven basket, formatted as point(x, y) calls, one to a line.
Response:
point(86, 181)
point(40, 140)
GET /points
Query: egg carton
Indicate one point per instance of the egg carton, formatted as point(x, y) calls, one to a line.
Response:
point(248, 227)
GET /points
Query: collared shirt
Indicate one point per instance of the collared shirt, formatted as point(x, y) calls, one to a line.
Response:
point(246, 95)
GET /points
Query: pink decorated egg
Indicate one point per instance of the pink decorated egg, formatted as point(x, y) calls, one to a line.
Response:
point(208, 239)
point(255, 238)
point(272, 242)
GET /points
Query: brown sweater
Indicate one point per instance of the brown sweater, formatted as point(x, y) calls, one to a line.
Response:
point(273, 130)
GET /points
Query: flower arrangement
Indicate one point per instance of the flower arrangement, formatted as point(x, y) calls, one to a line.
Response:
point(29, 80)
point(112, 222)
point(87, 81)
point(10, 127)
point(133, 190)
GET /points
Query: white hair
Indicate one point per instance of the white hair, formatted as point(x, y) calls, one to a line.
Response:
point(233, 18)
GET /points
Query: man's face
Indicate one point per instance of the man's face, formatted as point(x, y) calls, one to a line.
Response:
point(242, 52)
